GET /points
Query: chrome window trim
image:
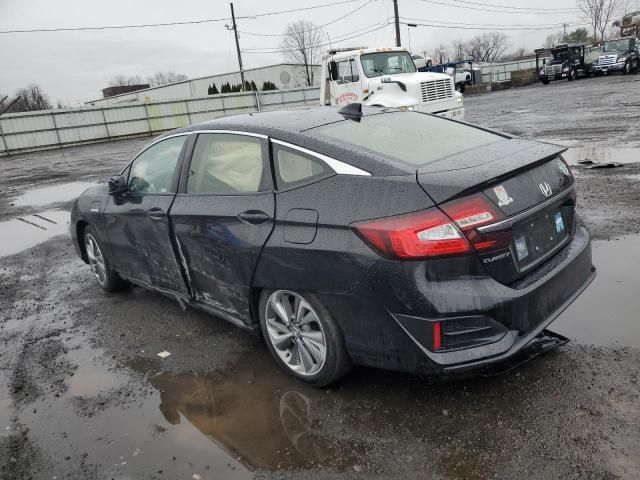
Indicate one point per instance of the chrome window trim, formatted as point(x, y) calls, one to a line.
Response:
point(337, 166)
point(233, 132)
point(508, 222)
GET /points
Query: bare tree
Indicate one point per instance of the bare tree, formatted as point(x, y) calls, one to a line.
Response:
point(598, 13)
point(486, 47)
point(440, 54)
point(163, 78)
point(302, 45)
point(458, 49)
point(30, 98)
point(121, 80)
point(553, 39)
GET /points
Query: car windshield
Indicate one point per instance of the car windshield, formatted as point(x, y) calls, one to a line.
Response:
point(616, 46)
point(410, 137)
point(385, 63)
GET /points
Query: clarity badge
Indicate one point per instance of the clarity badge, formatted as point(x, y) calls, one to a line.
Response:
point(563, 167)
point(503, 196)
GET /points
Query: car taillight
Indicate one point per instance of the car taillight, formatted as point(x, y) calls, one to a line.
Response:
point(472, 212)
point(425, 234)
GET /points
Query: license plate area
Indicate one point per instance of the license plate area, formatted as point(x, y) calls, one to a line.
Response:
point(538, 237)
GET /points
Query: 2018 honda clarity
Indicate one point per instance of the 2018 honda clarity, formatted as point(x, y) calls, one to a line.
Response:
point(385, 238)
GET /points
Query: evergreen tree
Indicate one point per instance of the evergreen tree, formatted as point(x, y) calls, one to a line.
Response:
point(213, 90)
point(254, 87)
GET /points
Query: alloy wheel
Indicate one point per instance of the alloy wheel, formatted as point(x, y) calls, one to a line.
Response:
point(295, 332)
point(96, 259)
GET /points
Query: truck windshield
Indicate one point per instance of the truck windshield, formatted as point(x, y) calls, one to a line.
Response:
point(410, 137)
point(385, 63)
point(616, 46)
point(560, 54)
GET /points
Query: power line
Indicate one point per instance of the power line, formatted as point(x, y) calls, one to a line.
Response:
point(311, 29)
point(516, 8)
point(517, 12)
point(549, 25)
point(280, 50)
point(166, 24)
point(463, 27)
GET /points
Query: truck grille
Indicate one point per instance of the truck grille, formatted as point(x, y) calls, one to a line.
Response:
point(608, 60)
point(436, 90)
point(551, 70)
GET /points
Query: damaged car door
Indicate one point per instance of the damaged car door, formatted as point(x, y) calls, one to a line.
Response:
point(137, 223)
point(222, 217)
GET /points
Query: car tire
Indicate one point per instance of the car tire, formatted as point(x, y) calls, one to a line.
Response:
point(101, 266)
point(429, 63)
point(303, 337)
point(627, 68)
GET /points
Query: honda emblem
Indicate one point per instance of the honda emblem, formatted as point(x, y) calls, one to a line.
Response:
point(545, 188)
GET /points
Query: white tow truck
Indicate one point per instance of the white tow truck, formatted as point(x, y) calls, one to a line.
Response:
point(386, 77)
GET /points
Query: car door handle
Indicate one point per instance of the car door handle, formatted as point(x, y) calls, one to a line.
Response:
point(254, 217)
point(155, 213)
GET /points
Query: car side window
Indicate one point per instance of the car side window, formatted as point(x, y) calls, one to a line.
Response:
point(294, 167)
point(153, 170)
point(224, 164)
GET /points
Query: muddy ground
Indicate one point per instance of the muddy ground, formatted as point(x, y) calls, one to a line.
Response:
point(83, 393)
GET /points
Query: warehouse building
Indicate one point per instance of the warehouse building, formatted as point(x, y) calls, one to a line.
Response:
point(284, 75)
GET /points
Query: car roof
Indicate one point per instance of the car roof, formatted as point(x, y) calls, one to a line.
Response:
point(293, 125)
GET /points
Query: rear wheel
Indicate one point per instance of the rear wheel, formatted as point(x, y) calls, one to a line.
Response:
point(303, 337)
point(101, 267)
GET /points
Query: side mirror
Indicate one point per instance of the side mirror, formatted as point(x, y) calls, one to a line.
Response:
point(117, 185)
point(333, 70)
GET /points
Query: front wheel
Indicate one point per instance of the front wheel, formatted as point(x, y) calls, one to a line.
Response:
point(545, 81)
point(429, 64)
point(627, 68)
point(303, 337)
point(572, 75)
point(101, 267)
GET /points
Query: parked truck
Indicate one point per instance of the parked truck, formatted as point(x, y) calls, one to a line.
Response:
point(386, 77)
point(565, 61)
point(620, 55)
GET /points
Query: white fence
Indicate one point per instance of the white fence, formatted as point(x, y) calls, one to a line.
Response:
point(500, 72)
point(29, 131)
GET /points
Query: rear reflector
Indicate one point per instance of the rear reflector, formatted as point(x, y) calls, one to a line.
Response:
point(425, 234)
point(437, 336)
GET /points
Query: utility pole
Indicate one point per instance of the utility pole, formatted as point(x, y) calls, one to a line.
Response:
point(395, 12)
point(564, 27)
point(235, 31)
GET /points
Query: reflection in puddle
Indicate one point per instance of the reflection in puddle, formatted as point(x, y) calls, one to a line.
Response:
point(28, 231)
point(262, 423)
point(57, 193)
point(598, 154)
point(607, 312)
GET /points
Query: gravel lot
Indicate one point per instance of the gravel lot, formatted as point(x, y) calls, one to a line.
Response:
point(84, 395)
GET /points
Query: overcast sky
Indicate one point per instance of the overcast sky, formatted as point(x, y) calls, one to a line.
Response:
point(74, 66)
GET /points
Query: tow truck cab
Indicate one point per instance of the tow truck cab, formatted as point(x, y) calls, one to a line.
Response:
point(620, 54)
point(565, 61)
point(386, 77)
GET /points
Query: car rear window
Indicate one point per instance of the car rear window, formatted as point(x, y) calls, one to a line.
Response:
point(409, 137)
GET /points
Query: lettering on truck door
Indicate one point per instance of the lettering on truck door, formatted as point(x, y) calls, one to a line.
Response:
point(347, 86)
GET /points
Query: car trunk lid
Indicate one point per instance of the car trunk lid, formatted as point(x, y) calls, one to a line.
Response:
point(530, 186)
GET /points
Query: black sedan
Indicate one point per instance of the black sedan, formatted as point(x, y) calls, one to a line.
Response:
point(384, 238)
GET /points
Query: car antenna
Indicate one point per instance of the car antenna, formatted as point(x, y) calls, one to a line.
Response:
point(352, 111)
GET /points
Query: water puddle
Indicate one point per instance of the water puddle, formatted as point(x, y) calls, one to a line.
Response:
point(608, 311)
point(27, 231)
point(63, 192)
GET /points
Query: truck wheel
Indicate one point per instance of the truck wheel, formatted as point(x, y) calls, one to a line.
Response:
point(627, 68)
point(429, 63)
point(545, 81)
point(572, 75)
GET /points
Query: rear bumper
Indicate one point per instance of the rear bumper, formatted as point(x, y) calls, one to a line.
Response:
point(395, 331)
